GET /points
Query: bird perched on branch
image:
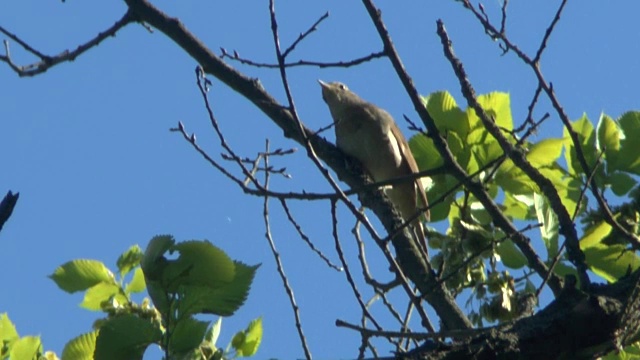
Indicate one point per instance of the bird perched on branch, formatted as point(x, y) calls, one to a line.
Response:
point(369, 134)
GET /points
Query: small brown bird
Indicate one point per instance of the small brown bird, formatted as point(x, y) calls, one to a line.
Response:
point(369, 134)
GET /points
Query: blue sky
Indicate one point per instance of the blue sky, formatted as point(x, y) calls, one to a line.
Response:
point(87, 144)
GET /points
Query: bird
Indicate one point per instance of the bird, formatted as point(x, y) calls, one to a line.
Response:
point(369, 134)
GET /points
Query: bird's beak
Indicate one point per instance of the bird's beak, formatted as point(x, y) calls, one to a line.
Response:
point(323, 84)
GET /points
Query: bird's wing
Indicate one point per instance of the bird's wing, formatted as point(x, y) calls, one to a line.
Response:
point(413, 166)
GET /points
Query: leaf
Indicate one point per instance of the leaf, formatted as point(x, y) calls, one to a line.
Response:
point(211, 337)
point(425, 152)
point(137, 283)
point(187, 335)
point(247, 342)
point(518, 206)
point(587, 141)
point(129, 259)
point(550, 224)
point(101, 293)
point(498, 105)
point(153, 261)
point(546, 152)
point(80, 347)
point(223, 301)
point(78, 275)
point(621, 183)
point(200, 263)
point(611, 262)
point(609, 140)
point(594, 235)
point(125, 337)
point(8, 331)
point(511, 255)
point(629, 157)
point(446, 114)
point(26, 348)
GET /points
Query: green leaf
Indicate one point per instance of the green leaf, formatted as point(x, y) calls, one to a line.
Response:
point(153, 261)
point(125, 337)
point(26, 348)
point(8, 331)
point(512, 179)
point(546, 152)
point(498, 105)
point(200, 263)
point(587, 141)
point(550, 224)
point(81, 347)
point(137, 283)
point(102, 293)
point(609, 140)
point(621, 183)
point(442, 184)
point(628, 157)
point(223, 301)
point(425, 152)
point(446, 114)
point(129, 259)
point(518, 206)
point(187, 335)
point(611, 262)
point(78, 275)
point(594, 235)
point(511, 255)
point(246, 342)
point(211, 337)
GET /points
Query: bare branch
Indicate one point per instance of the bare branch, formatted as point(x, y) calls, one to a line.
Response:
point(342, 64)
point(46, 61)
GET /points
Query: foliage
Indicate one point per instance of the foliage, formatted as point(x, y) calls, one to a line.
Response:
point(472, 236)
point(197, 278)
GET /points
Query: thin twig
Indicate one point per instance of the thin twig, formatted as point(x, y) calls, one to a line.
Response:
point(46, 61)
point(280, 267)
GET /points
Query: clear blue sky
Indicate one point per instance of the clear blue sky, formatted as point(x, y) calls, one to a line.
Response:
point(87, 143)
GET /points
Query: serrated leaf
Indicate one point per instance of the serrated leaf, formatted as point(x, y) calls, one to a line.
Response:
point(8, 331)
point(546, 152)
point(187, 335)
point(446, 114)
point(125, 337)
point(26, 348)
point(80, 347)
point(153, 261)
point(78, 275)
point(224, 300)
point(137, 283)
point(129, 259)
point(251, 340)
point(200, 263)
point(214, 332)
point(498, 105)
point(99, 294)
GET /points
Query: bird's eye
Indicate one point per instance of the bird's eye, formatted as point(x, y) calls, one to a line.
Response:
point(343, 87)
